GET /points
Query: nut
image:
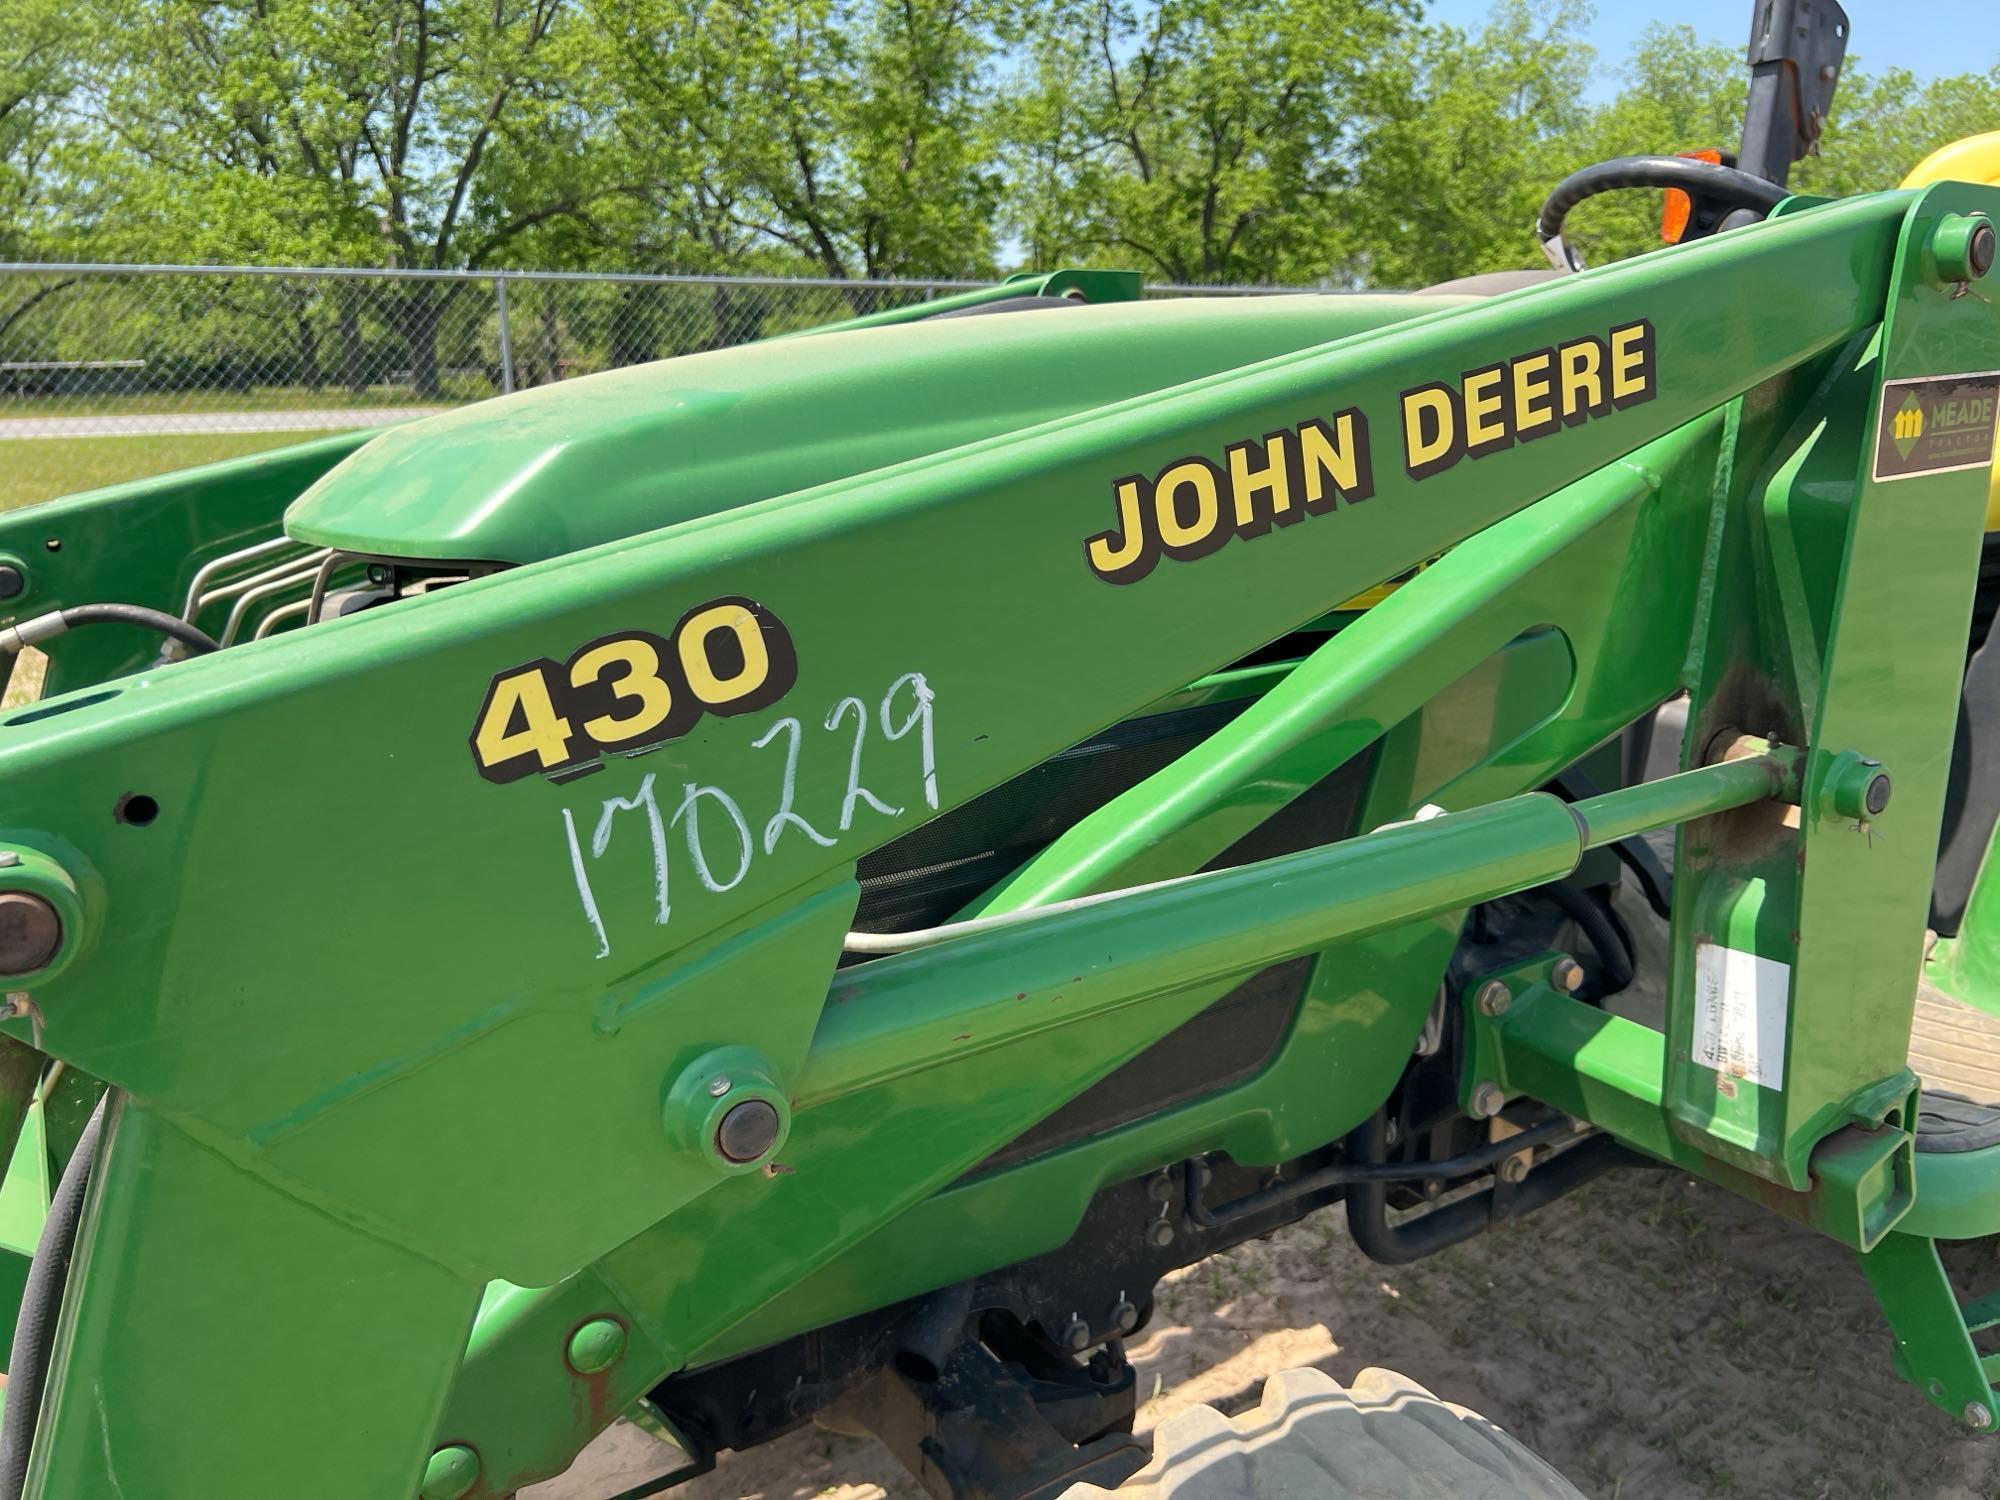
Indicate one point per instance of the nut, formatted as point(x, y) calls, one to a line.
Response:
point(1486, 1100)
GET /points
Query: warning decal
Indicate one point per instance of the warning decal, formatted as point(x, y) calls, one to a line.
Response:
point(1935, 425)
point(1741, 1003)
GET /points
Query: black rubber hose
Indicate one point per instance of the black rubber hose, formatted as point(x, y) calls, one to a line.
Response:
point(200, 642)
point(41, 1307)
point(1701, 178)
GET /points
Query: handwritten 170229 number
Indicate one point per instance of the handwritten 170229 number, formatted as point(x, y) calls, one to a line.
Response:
point(723, 843)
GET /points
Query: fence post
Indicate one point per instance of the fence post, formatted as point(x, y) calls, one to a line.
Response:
point(506, 340)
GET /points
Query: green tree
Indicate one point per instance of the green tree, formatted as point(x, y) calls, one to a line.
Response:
point(849, 135)
point(1883, 125)
point(1206, 140)
point(411, 133)
point(1452, 188)
point(40, 67)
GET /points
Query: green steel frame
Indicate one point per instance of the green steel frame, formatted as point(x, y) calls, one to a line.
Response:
point(409, 1170)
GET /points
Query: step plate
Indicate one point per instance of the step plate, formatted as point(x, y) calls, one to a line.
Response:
point(1955, 1049)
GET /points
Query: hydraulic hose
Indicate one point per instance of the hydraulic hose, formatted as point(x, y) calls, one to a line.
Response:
point(1696, 178)
point(41, 1307)
point(59, 621)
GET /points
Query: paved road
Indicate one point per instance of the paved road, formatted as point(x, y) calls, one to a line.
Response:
point(180, 424)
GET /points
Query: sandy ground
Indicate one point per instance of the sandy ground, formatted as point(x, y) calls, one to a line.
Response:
point(1650, 1336)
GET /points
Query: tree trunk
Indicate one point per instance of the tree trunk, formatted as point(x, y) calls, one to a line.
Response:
point(551, 338)
point(635, 334)
point(353, 357)
point(739, 316)
point(309, 372)
point(417, 311)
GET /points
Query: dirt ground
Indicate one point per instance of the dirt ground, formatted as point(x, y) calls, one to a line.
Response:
point(1650, 1336)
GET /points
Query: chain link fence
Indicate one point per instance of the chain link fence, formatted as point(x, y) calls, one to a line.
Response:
point(114, 372)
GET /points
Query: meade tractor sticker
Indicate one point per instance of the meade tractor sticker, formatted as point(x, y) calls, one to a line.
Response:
point(631, 691)
point(1936, 425)
point(1194, 505)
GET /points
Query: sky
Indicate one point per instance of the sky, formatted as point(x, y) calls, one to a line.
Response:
point(1955, 36)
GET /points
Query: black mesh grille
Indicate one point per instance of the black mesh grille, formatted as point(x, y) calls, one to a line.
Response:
point(927, 876)
point(1230, 1041)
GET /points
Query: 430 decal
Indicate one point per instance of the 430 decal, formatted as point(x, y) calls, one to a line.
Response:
point(632, 690)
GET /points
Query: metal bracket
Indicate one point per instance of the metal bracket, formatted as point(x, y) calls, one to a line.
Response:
point(984, 1430)
point(1796, 48)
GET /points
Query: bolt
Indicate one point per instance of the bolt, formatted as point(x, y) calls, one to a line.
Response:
point(31, 932)
point(1124, 1316)
point(1487, 1100)
point(1828, 72)
point(1494, 998)
point(748, 1131)
point(1160, 1188)
point(452, 1471)
point(596, 1346)
point(717, 1087)
point(1567, 975)
point(1075, 1334)
point(1964, 246)
point(13, 582)
point(1161, 1234)
point(1978, 1416)
point(1514, 1168)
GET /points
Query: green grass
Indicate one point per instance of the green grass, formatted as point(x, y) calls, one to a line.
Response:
point(34, 469)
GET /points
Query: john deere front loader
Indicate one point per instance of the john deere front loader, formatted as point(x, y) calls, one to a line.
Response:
point(796, 883)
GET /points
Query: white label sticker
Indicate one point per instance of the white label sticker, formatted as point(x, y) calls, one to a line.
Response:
point(1741, 1003)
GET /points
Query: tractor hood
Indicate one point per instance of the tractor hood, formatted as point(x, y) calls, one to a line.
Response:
point(548, 471)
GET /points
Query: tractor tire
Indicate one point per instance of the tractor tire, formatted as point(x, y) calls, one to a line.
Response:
point(1386, 1438)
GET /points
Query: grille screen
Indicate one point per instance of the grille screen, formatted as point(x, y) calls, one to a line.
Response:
point(927, 876)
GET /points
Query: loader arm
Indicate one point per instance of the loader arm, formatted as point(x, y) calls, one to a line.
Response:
point(456, 933)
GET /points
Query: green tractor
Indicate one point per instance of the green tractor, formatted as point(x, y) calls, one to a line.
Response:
point(796, 883)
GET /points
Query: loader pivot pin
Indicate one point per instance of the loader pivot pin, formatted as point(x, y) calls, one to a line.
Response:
point(727, 1107)
point(1964, 247)
point(596, 1346)
point(452, 1471)
point(1857, 787)
point(31, 932)
point(747, 1131)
